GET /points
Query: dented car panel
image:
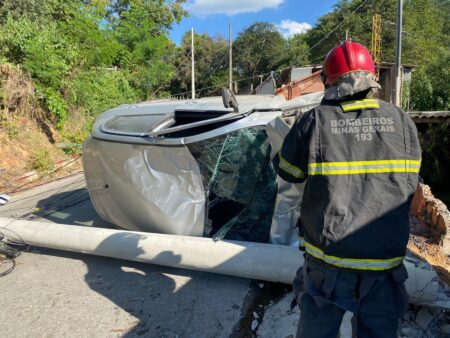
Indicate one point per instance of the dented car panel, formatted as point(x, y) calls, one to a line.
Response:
point(189, 167)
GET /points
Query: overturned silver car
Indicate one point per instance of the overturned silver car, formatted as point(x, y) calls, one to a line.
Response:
point(195, 167)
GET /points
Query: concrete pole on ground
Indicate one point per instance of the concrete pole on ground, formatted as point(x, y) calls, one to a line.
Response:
point(270, 262)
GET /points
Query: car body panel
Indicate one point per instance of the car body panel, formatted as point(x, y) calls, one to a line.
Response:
point(140, 170)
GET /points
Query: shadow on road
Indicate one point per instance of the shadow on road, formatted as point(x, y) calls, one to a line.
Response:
point(69, 207)
point(158, 301)
point(166, 302)
point(160, 307)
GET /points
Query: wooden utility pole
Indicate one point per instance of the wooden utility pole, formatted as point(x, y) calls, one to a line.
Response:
point(398, 60)
point(192, 64)
point(230, 58)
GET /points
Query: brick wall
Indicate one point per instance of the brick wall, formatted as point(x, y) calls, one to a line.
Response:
point(433, 213)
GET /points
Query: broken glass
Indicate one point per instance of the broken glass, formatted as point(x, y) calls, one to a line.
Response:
point(239, 182)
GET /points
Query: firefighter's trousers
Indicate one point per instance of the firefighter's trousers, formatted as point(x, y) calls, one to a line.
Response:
point(324, 294)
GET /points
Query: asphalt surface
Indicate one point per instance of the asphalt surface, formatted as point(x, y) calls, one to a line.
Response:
point(54, 293)
point(61, 294)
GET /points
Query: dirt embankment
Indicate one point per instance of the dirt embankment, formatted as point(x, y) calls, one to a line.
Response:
point(28, 140)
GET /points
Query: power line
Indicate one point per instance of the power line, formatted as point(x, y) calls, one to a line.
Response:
point(306, 53)
point(8, 250)
point(17, 189)
point(47, 191)
point(187, 58)
point(168, 79)
point(218, 86)
point(336, 28)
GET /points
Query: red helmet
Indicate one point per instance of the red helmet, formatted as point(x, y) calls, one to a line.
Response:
point(345, 58)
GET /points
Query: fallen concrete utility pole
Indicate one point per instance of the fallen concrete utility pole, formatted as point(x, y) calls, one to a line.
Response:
point(270, 262)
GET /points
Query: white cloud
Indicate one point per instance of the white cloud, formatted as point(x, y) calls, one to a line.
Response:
point(230, 7)
point(289, 27)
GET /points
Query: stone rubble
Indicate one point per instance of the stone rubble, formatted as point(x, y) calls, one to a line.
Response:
point(424, 322)
point(254, 325)
point(424, 318)
point(418, 322)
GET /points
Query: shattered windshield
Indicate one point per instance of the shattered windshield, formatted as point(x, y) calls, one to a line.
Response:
point(240, 184)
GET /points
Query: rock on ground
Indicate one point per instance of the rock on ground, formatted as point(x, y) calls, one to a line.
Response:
point(419, 321)
point(280, 321)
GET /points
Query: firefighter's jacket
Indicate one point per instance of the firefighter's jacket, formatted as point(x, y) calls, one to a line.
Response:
point(360, 160)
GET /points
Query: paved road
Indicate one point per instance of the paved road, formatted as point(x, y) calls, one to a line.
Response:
point(61, 294)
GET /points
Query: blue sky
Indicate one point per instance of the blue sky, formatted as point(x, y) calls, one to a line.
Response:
point(213, 16)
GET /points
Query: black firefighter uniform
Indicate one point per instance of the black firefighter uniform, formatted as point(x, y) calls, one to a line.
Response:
point(361, 160)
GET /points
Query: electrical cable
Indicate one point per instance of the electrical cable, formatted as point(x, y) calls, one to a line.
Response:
point(51, 199)
point(221, 85)
point(336, 28)
point(187, 58)
point(10, 269)
point(8, 251)
point(7, 244)
point(306, 53)
point(168, 79)
point(83, 198)
point(17, 189)
point(46, 191)
point(42, 177)
point(319, 58)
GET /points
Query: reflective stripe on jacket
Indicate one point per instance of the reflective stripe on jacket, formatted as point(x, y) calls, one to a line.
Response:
point(360, 160)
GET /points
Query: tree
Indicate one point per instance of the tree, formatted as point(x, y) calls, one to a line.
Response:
point(163, 12)
point(39, 11)
point(430, 88)
point(73, 45)
point(142, 30)
point(211, 64)
point(259, 49)
point(424, 27)
point(356, 18)
point(297, 51)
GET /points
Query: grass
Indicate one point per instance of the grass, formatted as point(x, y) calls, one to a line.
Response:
point(42, 160)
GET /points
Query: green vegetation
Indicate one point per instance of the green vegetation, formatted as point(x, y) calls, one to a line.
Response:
point(211, 63)
point(62, 62)
point(89, 56)
point(435, 143)
point(93, 55)
point(41, 160)
point(259, 49)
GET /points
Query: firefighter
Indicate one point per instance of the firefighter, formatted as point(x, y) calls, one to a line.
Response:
point(360, 157)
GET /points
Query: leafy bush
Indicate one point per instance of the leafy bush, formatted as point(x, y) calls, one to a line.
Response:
point(98, 90)
point(52, 102)
point(42, 50)
point(77, 127)
point(430, 88)
point(15, 37)
point(50, 58)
